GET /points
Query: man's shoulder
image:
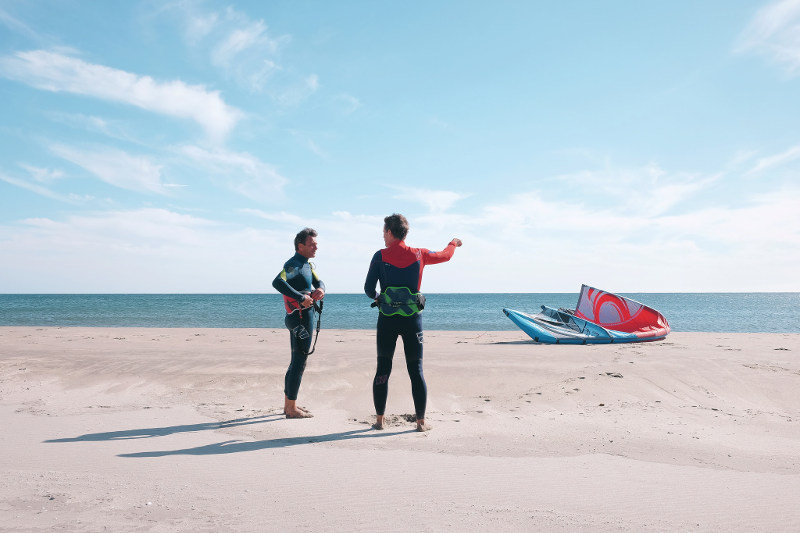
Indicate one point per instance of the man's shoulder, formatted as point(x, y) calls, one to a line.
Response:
point(292, 265)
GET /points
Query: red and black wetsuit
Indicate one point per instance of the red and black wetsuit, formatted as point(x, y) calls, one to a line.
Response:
point(399, 265)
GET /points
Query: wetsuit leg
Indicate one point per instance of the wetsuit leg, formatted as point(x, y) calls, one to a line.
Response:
point(412, 345)
point(301, 331)
point(386, 343)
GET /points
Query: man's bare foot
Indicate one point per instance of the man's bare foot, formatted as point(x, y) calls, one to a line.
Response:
point(297, 413)
point(298, 408)
point(378, 422)
point(422, 426)
point(292, 410)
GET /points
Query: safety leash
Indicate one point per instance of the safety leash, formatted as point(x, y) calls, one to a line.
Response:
point(318, 309)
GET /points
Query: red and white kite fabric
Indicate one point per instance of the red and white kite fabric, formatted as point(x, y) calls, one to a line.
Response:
point(620, 313)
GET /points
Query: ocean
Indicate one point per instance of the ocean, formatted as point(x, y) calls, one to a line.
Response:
point(712, 312)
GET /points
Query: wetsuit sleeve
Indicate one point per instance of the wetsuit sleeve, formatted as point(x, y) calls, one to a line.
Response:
point(432, 258)
point(373, 275)
point(283, 287)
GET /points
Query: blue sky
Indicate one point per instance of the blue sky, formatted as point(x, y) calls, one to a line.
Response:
point(161, 146)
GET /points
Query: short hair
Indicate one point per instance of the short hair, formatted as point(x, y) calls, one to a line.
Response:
point(303, 235)
point(397, 224)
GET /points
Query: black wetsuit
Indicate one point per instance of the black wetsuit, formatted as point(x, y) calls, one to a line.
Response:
point(401, 266)
point(295, 281)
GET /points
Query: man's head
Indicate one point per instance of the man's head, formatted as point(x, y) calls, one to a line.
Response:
point(395, 228)
point(397, 225)
point(305, 243)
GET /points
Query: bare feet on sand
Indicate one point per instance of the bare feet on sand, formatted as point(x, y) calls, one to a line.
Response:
point(291, 410)
point(297, 413)
point(378, 423)
point(422, 426)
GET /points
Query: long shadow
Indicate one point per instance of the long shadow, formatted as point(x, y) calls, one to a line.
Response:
point(169, 430)
point(531, 341)
point(235, 446)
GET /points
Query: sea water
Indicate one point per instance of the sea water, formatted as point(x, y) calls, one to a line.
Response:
point(713, 312)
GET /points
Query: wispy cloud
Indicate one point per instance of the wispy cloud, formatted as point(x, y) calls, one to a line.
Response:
point(199, 25)
point(144, 249)
point(648, 190)
point(239, 40)
point(42, 175)
point(776, 160)
point(41, 190)
point(245, 174)
point(114, 129)
point(16, 25)
point(116, 167)
point(775, 32)
point(437, 201)
point(51, 71)
point(242, 48)
point(304, 139)
point(347, 103)
point(298, 92)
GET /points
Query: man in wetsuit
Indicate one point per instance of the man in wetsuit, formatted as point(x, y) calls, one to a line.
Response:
point(300, 286)
point(398, 268)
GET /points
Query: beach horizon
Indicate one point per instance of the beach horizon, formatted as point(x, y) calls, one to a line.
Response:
point(181, 429)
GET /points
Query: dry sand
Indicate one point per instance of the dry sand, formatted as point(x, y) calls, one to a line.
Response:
point(125, 429)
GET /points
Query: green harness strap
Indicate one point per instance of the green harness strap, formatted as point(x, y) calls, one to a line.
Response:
point(400, 301)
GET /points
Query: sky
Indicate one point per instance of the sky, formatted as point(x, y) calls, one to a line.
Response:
point(178, 146)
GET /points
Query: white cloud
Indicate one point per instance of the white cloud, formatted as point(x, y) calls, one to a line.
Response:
point(647, 190)
point(240, 47)
point(548, 246)
point(56, 72)
point(245, 173)
point(776, 160)
point(115, 167)
point(239, 40)
point(16, 25)
point(348, 104)
point(298, 92)
point(42, 175)
point(742, 157)
point(199, 26)
point(775, 32)
point(435, 200)
point(39, 189)
point(143, 250)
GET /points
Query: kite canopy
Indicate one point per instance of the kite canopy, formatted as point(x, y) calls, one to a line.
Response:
point(620, 313)
point(600, 317)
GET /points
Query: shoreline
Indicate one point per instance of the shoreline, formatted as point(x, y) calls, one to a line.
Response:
point(713, 312)
point(180, 428)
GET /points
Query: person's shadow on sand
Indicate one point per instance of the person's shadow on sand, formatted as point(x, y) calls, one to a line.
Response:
point(236, 446)
point(145, 433)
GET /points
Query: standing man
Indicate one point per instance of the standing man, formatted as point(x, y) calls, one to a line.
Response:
point(300, 286)
point(398, 267)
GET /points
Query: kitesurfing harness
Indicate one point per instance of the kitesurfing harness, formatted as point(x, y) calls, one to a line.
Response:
point(295, 324)
point(399, 301)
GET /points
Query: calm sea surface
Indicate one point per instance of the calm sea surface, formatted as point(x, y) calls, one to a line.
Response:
point(718, 312)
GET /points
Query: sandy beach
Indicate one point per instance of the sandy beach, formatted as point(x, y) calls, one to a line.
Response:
point(126, 429)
